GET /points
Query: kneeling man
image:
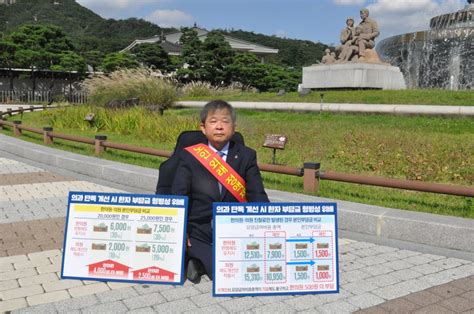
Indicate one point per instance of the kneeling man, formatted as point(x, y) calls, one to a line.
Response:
point(199, 176)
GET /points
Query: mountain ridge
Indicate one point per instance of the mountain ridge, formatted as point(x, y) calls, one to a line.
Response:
point(91, 32)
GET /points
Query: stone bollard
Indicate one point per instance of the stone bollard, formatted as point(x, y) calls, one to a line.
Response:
point(9, 112)
point(32, 108)
point(47, 138)
point(16, 129)
point(310, 178)
point(99, 148)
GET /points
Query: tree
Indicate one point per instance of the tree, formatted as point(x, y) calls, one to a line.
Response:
point(277, 77)
point(44, 47)
point(7, 54)
point(247, 69)
point(116, 60)
point(216, 57)
point(69, 61)
point(191, 47)
point(153, 56)
point(42, 37)
point(93, 58)
point(26, 58)
point(191, 55)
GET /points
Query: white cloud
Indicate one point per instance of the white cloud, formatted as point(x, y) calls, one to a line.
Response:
point(116, 8)
point(170, 18)
point(404, 16)
point(114, 4)
point(349, 2)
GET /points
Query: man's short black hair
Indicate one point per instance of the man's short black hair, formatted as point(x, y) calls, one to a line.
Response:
point(213, 106)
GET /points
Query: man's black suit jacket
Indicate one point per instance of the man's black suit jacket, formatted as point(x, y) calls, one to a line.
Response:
point(195, 181)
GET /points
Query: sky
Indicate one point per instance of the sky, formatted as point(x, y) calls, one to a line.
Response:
point(315, 20)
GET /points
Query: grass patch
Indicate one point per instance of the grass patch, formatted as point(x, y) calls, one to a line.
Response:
point(412, 96)
point(431, 149)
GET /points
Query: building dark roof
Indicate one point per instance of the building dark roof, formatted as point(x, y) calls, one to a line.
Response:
point(170, 43)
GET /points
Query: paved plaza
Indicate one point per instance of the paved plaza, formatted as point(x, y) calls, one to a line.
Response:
point(374, 278)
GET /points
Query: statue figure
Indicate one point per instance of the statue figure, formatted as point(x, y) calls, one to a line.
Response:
point(348, 31)
point(329, 58)
point(351, 47)
point(346, 35)
point(369, 31)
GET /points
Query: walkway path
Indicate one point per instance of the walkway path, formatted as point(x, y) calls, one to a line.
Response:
point(355, 108)
point(13, 107)
point(331, 107)
point(32, 210)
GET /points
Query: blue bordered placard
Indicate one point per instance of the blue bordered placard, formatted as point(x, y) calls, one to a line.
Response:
point(120, 237)
point(275, 249)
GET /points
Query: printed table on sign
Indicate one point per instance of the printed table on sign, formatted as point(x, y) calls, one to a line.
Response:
point(275, 248)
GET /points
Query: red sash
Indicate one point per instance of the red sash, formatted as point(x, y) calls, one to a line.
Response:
point(220, 169)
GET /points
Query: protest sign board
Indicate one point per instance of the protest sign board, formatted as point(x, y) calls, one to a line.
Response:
point(125, 237)
point(275, 248)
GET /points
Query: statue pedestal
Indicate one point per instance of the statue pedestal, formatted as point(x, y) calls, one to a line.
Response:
point(353, 75)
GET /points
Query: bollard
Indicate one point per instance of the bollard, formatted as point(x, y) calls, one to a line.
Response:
point(9, 112)
point(310, 178)
point(1, 119)
point(321, 103)
point(32, 108)
point(16, 130)
point(47, 138)
point(99, 148)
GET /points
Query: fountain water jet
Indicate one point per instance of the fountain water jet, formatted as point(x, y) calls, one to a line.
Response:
point(442, 57)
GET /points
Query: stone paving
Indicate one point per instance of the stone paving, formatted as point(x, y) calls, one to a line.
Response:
point(373, 278)
point(454, 297)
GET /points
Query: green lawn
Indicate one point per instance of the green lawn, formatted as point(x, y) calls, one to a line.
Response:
point(419, 97)
point(431, 149)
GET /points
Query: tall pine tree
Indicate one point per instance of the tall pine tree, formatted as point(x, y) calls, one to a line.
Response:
point(216, 56)
point(191, 55)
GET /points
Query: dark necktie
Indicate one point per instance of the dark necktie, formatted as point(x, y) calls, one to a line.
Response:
point(221, 154)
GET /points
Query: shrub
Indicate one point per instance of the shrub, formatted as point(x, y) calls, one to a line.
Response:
point(131, 83)
point(138, 120)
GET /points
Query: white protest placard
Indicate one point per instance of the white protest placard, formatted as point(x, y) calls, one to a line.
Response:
point(125, 237)
point(275, 248)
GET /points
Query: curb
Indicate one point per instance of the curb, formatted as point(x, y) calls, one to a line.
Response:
point(452, 233)
point(353, 108)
